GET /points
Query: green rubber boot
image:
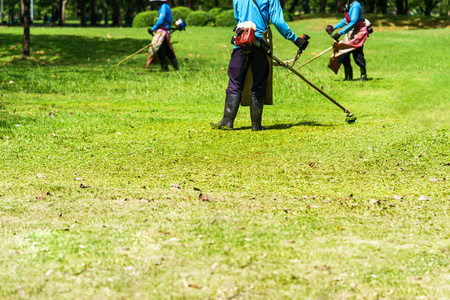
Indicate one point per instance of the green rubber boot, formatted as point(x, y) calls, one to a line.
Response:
point(256, 110)
point(348, 74)
point(174, 63)
point(229, 114)
point(363, 74)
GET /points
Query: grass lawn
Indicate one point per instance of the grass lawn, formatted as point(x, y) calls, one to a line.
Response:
point(102, 169)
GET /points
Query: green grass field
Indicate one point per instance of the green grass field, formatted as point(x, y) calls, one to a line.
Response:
point(101, 170)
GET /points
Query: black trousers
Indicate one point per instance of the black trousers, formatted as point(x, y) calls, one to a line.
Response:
point(163, 52)
point(237, 71)
point(358, 57)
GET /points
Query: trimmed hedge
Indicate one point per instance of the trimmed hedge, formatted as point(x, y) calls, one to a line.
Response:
point(199, 18)
point(145, 19)
point(226, 19)
point(180, 12)
point(215, 11)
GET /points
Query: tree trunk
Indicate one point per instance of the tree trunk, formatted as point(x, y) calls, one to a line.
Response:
point(429, 5)
point(370, 6)
point(190, 4)
point(293, 5)
point(382, 6)
point(105, 7)
point(282, 4)
point(22, 12)
point(305, 5)
point(340, 6)
point(26, 28)
point(323, 6)
point(62, 11)
point(59, 11)
point(116, 13)
point(94, 12)
point(400, 8)
point(141, 5)
point(82, 5)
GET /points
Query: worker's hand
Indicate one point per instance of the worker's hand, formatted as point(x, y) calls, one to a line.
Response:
point(150, 31)
point(329, 29)
point(336, 36)
point(301, 43)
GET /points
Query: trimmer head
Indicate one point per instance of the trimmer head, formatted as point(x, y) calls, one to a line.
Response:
point(350, 118)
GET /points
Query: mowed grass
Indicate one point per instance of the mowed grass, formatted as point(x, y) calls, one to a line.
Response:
point(102, 169)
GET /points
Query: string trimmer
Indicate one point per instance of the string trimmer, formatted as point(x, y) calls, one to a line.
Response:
point(315, 57)
point(179, 25)
point(130, 56)
point(245, 37)
point(265, 47)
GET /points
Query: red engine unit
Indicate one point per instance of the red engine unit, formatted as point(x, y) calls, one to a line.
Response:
point(244, 37)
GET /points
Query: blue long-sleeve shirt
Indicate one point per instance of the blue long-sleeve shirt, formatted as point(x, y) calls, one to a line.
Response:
point(355, 14)
point(246, 10)
point(164, 17)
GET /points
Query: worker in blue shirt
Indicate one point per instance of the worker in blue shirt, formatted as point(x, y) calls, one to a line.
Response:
point(354, 28)
point(260, 12)
point(161, 35)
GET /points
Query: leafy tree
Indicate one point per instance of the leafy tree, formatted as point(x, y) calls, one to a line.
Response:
point(402, 7)
point(426, 6)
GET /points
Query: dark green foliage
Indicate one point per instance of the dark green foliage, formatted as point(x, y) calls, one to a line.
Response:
point(206, 5)
point(226, 19)
point(180, 12)
point(199, 18)
point(145, 19)
point(215, 11)
point(288, 16)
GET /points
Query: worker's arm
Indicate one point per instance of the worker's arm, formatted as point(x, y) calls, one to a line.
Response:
point(277, 17)
point(161, 17)
point(355, 14)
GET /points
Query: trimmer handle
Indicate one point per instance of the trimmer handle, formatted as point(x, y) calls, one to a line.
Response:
point(300, 50)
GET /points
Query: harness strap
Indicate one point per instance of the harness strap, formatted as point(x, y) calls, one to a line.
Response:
point(264, 20)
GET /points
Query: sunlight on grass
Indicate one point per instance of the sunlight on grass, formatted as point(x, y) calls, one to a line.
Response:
point(102, 170)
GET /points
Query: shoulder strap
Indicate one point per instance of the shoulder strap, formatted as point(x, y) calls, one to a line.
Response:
point(264, 20)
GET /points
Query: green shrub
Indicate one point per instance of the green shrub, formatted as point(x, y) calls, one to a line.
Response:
point(199, 18)
point(288, 16)
point(226, 19)
point(145, 19)
point(215, 11)
point(180, 12)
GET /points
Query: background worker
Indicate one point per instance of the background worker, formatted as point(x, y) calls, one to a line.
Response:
point(259, 12)
point(161, 36)
point(355, 35)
